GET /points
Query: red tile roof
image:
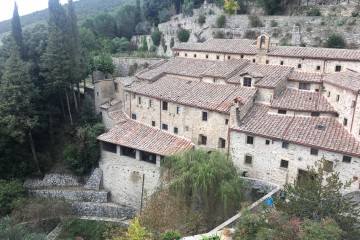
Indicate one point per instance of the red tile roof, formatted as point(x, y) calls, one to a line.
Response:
point(305, 77)
point(246, 46)
point(300, 130)
point(118, 116)
point(110, 104)
point(216, 97)
point(225, 69)
point(143, 137)
point(301, 100)
point(270, 75)
point(348, 80)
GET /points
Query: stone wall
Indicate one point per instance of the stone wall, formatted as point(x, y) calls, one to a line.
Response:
point(103, 210)
point(73, 195)
point(123, 64)
point(50, 180)
point(266, 160)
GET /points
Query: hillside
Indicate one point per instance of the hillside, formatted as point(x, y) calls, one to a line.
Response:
point(84, 8)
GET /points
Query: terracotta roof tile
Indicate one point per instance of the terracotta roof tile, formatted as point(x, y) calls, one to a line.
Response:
point(110, 104)
point(225, 69)
point(216, 97)
point(305, 77)
point(271, 75)
point(126, 81)
point(300, 130)
point(346, 80)
point(302, 100)
point(143, 137)
point(118, 116)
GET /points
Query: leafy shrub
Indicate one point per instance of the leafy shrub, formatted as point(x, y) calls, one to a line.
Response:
point(313, 12)
point(136, 231)
point(144, 45)
point(188, 8)
point(183, 35)
point(201, 19)
point(12, 193)
point(274, 23)
point(270, 7)
point(7, 231)
point(171, 235)
point(335, 41)
point(132, 69)
point(255, 21)
point(143, 28)
point(218, 34)
point(211, 12)
point(85, 229)
point(156, 37)
point(221, 21)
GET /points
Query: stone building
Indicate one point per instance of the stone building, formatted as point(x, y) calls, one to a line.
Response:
point(276, 110)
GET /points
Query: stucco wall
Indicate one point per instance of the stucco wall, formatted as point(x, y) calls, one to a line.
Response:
point(266, 160)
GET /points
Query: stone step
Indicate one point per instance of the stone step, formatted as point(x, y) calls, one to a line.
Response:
point(73, 194)
point(103, 210)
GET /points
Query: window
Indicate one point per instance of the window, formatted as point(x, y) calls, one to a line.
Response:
point(337, 68)
point(178, 109)
point(97, 94)
point(194, 55)
point(328, 94)
point(337, 97)
point(345, 122)
point(133, 116)
point(315, 114)
point(229, 57)
point(226, 121)
point(153, 123)
point(353, 104)
point(285, 145)
point(207, 56)
point(284, 163)
point(267, 142)
point(109, 147)
point(247, 82)
point(165, 106)
point(129, 152)
point(314, 151)
point(281, 111)
point(148, 157)
point(248, 159)
point(139, 100)
point(267, 61)
point(164, 126)
point(249, 140)
point(346, 159)
point(176, 130)
point(204, 116)
point(241, 56)
point(281, 62)
point(254, 60)
point(222, 143)
point(185, 54)
point(215, 80)
point(151, 103)
point(318, 68)
point(116, 87)
point(217, 57)
point(328, 166)
point(305, 86)
point(299, 65)
point(202, 139)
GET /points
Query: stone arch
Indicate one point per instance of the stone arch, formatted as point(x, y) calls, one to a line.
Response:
point(263, 42)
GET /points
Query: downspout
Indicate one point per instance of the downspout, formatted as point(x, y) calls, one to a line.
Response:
point(352, 120)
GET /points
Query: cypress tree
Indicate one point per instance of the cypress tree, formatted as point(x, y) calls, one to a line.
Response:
point(137, 12)
point(16, 32)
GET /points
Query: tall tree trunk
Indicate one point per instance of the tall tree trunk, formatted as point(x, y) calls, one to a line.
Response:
point(34, 153)
point(62, 108)
point(78, 90)
point(85, 84)
point(75, 98)
point(68, 104)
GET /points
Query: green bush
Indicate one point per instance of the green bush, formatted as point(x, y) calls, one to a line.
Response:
point(85, 229)
point(221, 21)
point(219, 34)
point(70, 156)
point(274, 23)
point(211, 238)
point(156, 37)
point(171, 235)
point(201, 19)
point(183, 35)
point(314, 12)
point(255, 21)
point(144, 45)
point(335, 41)
point(12, 194)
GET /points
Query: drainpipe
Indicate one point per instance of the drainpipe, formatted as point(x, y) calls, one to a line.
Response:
point(352, 120)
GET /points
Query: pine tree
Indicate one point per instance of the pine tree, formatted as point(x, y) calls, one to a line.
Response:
point(16, 32)
point(17, 97)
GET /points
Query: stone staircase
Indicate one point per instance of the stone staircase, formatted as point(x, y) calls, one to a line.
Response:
point(87, 200)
